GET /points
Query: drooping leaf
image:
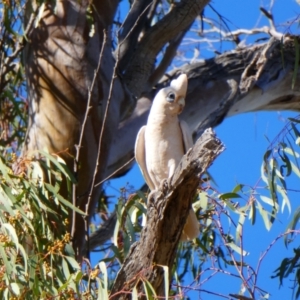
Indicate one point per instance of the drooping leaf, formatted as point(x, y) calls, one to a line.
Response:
point(237, 249)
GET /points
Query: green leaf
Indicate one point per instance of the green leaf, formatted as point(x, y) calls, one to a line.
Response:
point(61, 199)
point(7, 264)
point(281, 271)
point(33, 260)
point(149, 290)
point(166, 280)
point(269, 201)
point(65, 270)
point(61, 165)
point(4, 170)
point(293, 223)
point(130, 229)
point(12, 232)
point(69, 251)
point(239, 228)
point(103, 270)
point(14, 287)
point(134, 294)
point(141, 207)
point(252, 213)
point(264, 215)
point(238, 188)
point(292, 152)
point(237, 249)
point(229, 196)
point(203, 201)
point(285, 199)
point(116, 232)
point(267, 155)
point(263, 172)
point(74, 264)
point(295, 169)
point(102, 291)
point(142, 196)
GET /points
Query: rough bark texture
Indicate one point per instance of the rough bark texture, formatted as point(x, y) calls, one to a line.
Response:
point(62, 55)
point(143, 59)
point(159, 239)
point(250, 79)
point(61, 58)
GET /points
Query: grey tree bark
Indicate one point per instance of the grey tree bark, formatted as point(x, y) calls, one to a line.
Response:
point(249, 79)
point(62, 55)
point(77, 96)
point(255, 78)
point(160, 237)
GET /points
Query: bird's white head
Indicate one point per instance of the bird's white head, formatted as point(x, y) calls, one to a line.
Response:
point(171, 100)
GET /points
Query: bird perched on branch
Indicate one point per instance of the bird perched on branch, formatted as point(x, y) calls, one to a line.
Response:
point(161, 144)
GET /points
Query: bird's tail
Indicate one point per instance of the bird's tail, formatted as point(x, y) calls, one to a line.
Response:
point(191, 227)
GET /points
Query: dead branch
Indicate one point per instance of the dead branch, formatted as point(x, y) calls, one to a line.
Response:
point(159, 239)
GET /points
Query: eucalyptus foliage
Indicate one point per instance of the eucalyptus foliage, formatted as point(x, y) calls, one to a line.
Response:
point(36, 257)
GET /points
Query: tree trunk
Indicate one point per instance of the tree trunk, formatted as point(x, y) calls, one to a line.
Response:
point(73, 91)
point(65, 49)
point(76, 98)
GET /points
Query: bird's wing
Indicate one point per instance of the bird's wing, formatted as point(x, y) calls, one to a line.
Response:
point(140, 156)
point(186, 136)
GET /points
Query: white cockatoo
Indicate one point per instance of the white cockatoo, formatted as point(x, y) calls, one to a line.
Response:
point(161, 144)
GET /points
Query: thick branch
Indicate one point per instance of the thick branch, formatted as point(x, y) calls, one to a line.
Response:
point(131, 29)
point(169, 55)
point(141, 65)
point(250, 79)
point(159, 239)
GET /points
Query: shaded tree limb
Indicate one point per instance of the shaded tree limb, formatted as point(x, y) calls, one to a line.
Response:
point(142, 62)
point(255, 78)
point(131, 29)
point(61, 56)
point(104, 233)
point(170, 53)
point(159, 239)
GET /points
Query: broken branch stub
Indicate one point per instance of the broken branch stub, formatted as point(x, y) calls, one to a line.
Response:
point(168, 209)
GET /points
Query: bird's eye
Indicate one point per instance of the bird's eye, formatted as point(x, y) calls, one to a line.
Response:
point(171, 97)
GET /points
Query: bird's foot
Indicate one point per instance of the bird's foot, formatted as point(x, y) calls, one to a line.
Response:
point(164, 186)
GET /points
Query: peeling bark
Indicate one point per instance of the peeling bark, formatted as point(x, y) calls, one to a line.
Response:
point(160, 237)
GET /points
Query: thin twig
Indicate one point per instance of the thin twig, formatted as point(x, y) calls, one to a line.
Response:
point(245, 283)
point(88, 107)
point(115, 172)
point(269, 248)
point(87, 206)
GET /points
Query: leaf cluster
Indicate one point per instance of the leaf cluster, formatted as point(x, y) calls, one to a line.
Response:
point(37, 260)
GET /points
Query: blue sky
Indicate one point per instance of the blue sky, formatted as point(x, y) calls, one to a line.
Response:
point(245, 139)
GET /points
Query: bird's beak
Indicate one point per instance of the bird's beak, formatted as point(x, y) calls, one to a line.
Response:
point(180, 85)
